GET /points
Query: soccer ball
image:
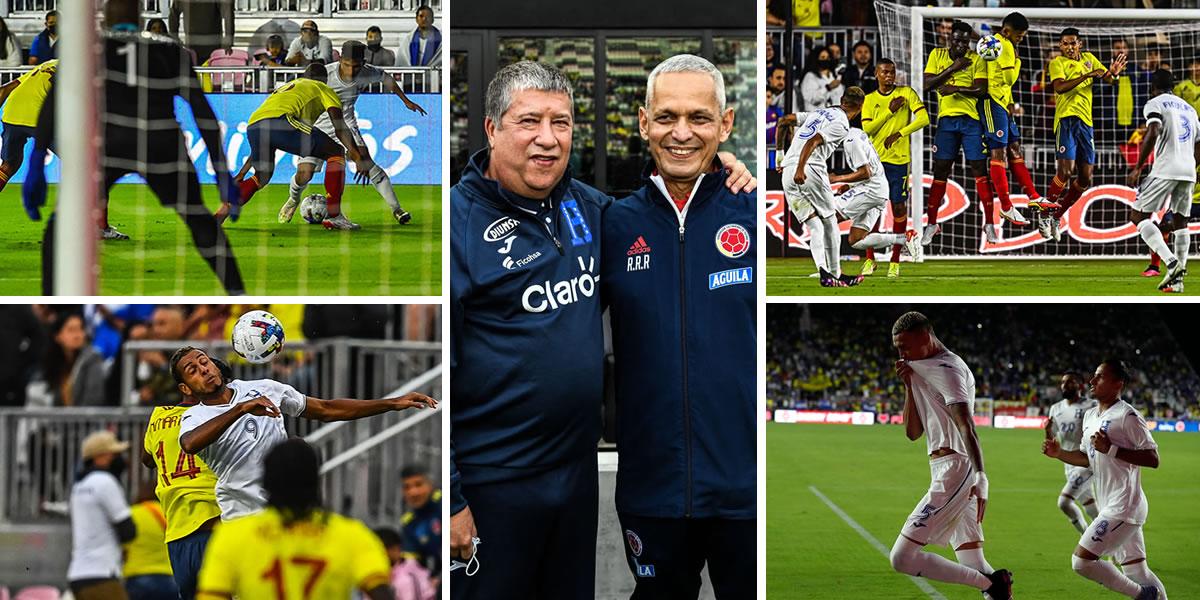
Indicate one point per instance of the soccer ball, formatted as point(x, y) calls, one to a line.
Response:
point(989, 47)
point(257, 336)
point(313, 209)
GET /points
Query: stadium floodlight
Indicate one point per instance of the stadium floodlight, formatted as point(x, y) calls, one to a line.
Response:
point(1097, 225)
point(78, 139)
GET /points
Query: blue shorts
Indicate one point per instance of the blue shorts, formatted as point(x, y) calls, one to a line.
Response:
point(14, 138)
point(1075, 141)
point(186, 554)
point(956, 131)
point(268, 135)
point(999, 129)
point(897, 178)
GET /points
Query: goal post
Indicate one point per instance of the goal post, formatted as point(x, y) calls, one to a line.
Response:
point(77, 142)
point(1096, 227)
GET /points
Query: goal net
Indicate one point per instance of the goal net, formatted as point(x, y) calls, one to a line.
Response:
point(1097, 225)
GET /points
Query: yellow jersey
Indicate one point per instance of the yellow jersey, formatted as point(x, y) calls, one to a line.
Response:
point(1190, 92)
point(324, 556)
point(185, 485)
point(880, 122)
point(301, 102)
point(24, 104)
point(146, 553)
point(1002, 73)
point(954, 105)
point(1078, 101)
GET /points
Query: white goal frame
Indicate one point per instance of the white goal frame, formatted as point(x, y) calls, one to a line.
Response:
point(78, 139)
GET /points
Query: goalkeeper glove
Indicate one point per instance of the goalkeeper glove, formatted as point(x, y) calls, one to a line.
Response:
point(33, 191)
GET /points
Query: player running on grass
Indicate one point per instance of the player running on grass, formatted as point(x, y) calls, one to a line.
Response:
point(235, 453)
point(347, 77)
point(938, 402)
point(960, 79)
point(1116, 444)
point(1173, 133)
point(1072, 76)
point(1065, 426)
point(285, 121)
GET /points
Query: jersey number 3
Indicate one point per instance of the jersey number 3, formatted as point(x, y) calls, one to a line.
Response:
point(184, 458)
point(315, 567)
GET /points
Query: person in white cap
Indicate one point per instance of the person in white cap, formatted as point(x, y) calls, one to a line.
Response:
point(100, 520)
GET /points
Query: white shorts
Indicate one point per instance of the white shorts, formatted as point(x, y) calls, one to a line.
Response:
point(1119, 539)
point(801, 207)
point(326, 126)
point(814, 193)
point(1079, 483)
point(948, 514)
point(1155, 192)
point(858, 205)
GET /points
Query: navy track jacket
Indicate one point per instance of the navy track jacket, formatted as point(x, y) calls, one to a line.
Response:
point(526, 339)
point(682, 304)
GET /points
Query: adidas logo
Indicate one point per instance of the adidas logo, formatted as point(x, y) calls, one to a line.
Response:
point(639, 247)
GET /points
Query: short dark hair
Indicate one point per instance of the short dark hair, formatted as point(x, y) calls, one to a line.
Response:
point(1162, 80)
point(291, 477)
point(178, 356)
point(53, 13)
point(1016, 21)
point(424, 7)
point(1118, 369)
point(390, 537)
point(1073, 374)
point(962, 26)
point(354, 49)
point(778, 68)
point(412, 471)
point(911, 321)
point(275, 37)
point(1068, 31)
point(375, 29)
point(316, 71)
point(862, 43)
point(884, 61)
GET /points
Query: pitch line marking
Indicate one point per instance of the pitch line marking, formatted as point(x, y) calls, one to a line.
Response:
point(866, 535)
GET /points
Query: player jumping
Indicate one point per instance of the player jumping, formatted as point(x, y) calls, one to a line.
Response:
point(960, 79)
point(1066, 418)
point(285, 122)
point(1115, 444)
point(1173, 133)
point(938, 402)
point(347, 77)
point(235, 453)
point(891, 114)
point(999, 127)
point(1072, 76)
point(862, 203)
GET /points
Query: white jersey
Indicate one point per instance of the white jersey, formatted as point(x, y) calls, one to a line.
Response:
point(1118, 484)
point(859, 153)
point(833, 126)
point(236, 457)
point(97, 503)
point(347, 91)
point(1068, 421)
point(938, 382)
point(1174, 154)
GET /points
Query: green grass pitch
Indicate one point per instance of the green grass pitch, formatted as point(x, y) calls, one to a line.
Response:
point(982, 277)
point(877, 476)
point(382, 258)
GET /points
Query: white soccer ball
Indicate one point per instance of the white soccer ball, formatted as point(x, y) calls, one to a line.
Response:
point(257, 336)
point(989, 48)
point(313, 209)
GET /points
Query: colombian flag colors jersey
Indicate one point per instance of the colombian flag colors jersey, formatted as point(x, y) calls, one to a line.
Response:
point(25, 102)
point(881, 122)
point(952, 105)
point(301, 102)
point(1002, 73)
point(1078, 101)
point(184, 485)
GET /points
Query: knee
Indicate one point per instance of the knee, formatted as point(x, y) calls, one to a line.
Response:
point(1064, 504)
point(903, 555)
point(1081, 565)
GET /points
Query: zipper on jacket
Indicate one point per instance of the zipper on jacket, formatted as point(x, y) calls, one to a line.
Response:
point(687, 413)
point(549, 218)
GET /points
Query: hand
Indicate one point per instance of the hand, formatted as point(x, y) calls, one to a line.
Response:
point(413, 400)
point(786, 120)
point(739, 178)
point(259, 407)
point(33, 191)
point(1118, 65)
point(413, 106)
point(462, 530)
point(1098, 73)
point(905, 371)
point(362, 170)
point(891, 139)
point(980, 491)
point(960, 63)
point(833, 85)
point(1134, 175)
point(800, 176)
point(1051, 448)
point(896, 103)
point(1101, 442)
point(948, 89)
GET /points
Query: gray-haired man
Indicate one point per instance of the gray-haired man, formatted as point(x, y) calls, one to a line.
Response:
point(526, 350)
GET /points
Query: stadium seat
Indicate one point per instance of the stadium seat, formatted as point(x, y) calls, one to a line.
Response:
point(38, 592)
point(220, 58)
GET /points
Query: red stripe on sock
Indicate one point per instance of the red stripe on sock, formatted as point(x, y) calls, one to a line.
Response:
point(898, 226)
point(984, 190)
point(1056, 187)
point(248, 186)
point(937, 191)
point(1024, 178)
point(335, 183)
point(1000, 183)
point(1071, 198)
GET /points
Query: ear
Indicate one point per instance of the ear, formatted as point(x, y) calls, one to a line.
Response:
point(184, 389)
point(726, 124)
point(489, 127)
point(643, 123)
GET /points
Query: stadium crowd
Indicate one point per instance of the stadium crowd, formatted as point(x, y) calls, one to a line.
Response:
point(828, 357)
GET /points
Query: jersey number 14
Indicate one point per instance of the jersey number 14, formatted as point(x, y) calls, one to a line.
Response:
point(184, 459)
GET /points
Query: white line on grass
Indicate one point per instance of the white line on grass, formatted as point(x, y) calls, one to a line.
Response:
point(866, 535)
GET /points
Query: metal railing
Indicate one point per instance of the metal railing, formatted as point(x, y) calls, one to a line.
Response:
point(413, 80)
point(328, 8)
point(39, 448)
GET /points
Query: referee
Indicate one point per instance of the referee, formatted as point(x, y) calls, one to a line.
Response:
point(100, 520)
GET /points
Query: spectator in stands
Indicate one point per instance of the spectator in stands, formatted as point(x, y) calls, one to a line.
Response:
point(156, 385)
point(773, 114)
point(22, 340)
point(421, 526)
point(839, 63)
point(1189, 89)
point(1117, 102)
point(861, 71)
point(10, 48)
point(209, 25)
point(310, 47)
point(73, 369)
point(376, 54)
point(273, 55)
point(147, 566)
point(100, 520)
point(777, 82)
point(410, 580)
point(820, 87)
point(422, 47)
point(45, 45)
point(157, 27)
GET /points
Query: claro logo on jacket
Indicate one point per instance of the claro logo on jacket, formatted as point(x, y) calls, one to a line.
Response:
point(544, 296)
